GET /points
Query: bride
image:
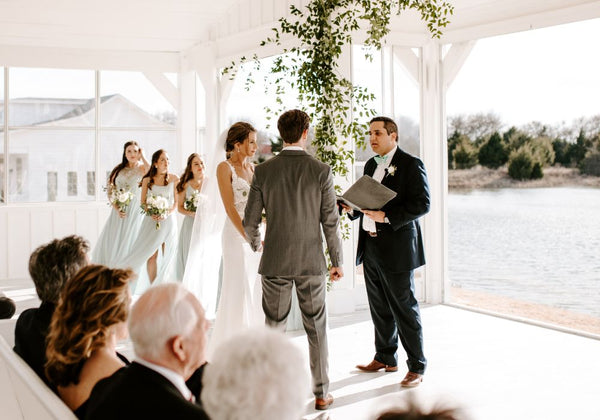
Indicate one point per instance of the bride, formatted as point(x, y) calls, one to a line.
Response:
point(240, 304)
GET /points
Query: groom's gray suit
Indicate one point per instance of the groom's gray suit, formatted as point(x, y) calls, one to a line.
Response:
point(296, 191)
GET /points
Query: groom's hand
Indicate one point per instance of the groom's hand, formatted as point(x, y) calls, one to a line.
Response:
point(376, 215)
point(336, 273)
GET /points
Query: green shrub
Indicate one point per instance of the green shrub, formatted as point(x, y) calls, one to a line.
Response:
point(542, 150)
point(493, 153)
point(465, 155)
point(590, 165)
point(520, 163)
point(537, 171)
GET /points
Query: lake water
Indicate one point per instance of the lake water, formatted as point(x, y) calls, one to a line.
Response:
point(540, 245)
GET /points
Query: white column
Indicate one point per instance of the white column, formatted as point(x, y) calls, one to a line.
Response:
point(434, 155)
point(186, 117)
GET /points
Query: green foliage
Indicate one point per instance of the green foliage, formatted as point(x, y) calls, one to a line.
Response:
point(590, 165)
point(340, 111)
point(523, 164)
point(465, 154)
point(562, 153)
point(493, 152)
point(543, 151)
point(453, 142)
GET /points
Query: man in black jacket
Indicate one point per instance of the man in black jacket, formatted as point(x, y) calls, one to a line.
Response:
point(390, 247)
point(168, 330)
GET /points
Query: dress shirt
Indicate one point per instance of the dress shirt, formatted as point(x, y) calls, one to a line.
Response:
point(173, 377)
point(292, 148)
point(368, 224)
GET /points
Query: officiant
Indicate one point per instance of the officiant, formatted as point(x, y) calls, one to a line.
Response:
point(390, 247)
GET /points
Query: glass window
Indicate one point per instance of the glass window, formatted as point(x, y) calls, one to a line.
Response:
point(91, 183)
point(52, 187)
point(35, 153)
point(51, 97)
point(407, 107)
point(129, 99)
point(71, 183)
point(2, 102)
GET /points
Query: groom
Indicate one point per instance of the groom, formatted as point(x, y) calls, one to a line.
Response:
point(296, 191)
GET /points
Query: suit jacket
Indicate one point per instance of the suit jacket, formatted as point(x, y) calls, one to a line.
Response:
point(31, 331)
point(137, 392)
point(399, 243)
point(296, 191)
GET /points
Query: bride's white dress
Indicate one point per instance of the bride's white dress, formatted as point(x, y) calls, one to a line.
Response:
point(240, 304)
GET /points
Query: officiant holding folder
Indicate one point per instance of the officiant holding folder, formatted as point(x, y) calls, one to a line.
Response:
point(390, 247)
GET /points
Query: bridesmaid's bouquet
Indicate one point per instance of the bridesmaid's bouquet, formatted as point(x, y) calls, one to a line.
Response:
point(192, 201)
point(156, 205)
point(121, 198)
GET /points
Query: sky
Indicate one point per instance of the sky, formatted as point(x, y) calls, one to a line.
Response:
point(549, 75)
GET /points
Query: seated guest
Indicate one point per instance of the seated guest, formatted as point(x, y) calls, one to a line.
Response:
point(258, 374)
point(7, 306)
point(168, 328)
point(50, 266)
point(90, 318)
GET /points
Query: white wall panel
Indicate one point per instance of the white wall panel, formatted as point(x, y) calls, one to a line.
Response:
point(24, 228)
point(19, 234)
point(3, 245)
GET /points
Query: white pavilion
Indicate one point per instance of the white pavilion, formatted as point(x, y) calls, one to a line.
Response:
point(174, 50)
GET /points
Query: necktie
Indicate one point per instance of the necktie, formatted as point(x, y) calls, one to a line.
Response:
point(380, 159)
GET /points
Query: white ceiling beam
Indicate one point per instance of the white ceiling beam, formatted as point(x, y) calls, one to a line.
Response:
point(164, 86)
point(454, 60)
point(73, 58)
point(409, 61)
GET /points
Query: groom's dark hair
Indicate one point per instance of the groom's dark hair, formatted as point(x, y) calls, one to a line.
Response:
point(291, 125)
point(389, 124)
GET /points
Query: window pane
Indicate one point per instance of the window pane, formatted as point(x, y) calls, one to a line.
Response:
point(36, 154)
point(91, 183)
point(1, 101)
point(2, 166)
point(51, 97)
point(112, 142)
point(129, 99)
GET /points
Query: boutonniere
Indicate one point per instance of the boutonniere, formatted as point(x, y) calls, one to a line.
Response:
point(390, 170)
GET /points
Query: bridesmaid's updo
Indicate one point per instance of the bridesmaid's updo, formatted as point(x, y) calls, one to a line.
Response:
point(237, 134)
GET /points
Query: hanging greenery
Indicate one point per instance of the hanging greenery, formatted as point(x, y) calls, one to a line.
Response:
point(339, 110)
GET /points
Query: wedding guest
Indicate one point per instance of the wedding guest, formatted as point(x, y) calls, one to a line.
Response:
point(258, 374)
point(168, 329)
point(390, 247)
point(297, 194)
point(188, 187)
point(124, 222)
point(7, 306)
point(87, 324)
point(159, 227)
point(50, 267)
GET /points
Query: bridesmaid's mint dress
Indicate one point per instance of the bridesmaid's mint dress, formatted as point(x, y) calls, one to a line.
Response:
point(185, 235)
point(118, 235)
point(149, 240)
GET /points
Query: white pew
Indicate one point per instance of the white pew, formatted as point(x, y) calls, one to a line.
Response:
point(23, 395)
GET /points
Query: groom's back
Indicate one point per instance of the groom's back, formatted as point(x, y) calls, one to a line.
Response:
point(293, 186)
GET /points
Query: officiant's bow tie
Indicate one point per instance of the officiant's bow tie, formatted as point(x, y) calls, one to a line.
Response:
point(380, 159)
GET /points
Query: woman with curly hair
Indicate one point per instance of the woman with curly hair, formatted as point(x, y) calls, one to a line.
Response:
point(90, 318)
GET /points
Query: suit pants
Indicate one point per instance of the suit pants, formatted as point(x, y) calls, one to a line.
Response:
point(311, 292)
point(394, 310)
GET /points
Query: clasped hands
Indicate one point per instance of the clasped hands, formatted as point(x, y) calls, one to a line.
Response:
point(375, 215)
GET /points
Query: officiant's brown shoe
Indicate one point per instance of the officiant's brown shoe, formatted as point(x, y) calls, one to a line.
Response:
point(323, 403)
point(411, 380)
point(375, 366)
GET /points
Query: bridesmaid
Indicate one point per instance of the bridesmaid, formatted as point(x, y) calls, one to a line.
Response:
point(158, 232)
point(122, 227)
point(190, 182)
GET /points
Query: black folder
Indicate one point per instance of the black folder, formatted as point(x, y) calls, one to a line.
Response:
point(366, 193)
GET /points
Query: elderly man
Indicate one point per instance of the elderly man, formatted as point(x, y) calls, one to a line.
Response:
point(168, 330)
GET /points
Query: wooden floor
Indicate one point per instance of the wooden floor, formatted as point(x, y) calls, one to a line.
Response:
point(494, 367)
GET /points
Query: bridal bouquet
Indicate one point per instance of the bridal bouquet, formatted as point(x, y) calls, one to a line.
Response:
point(156, 205)
point(191, 203)
point(120, 198)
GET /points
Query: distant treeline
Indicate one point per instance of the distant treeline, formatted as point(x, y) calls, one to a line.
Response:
point(479, 139)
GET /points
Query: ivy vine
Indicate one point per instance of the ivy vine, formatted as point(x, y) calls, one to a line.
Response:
point(339, 110)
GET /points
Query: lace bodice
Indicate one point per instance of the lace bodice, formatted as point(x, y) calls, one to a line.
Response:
point(241, 189)
point(129, 179)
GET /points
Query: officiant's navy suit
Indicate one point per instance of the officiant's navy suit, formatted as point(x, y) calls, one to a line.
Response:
point(389, 258)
